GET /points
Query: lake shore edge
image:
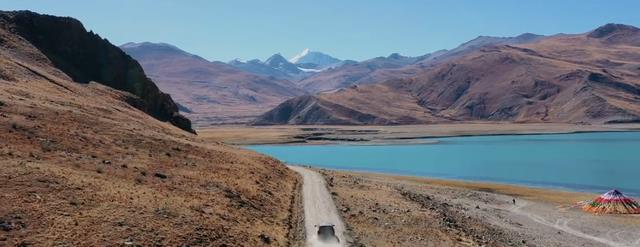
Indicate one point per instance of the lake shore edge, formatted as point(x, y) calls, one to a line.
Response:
point(382, 209)
point(537, 193)
point(242, 135)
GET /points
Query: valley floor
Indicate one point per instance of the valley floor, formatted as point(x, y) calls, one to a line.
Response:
point(400, 134)
point(386, 210)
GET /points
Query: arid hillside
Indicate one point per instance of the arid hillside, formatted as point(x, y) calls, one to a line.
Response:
point(395, 66)
point(358, 73)
point(585, 78)
point(79, 166)
point(85, 56)
point(211, 92)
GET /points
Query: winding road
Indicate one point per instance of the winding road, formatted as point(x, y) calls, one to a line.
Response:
point(318, 207)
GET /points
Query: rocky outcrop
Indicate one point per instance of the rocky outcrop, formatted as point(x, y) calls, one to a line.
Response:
point(85, 56)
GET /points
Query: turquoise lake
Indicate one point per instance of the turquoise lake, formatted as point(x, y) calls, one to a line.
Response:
point(593, 162)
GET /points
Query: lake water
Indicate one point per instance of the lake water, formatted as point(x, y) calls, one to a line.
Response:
point(593, 162)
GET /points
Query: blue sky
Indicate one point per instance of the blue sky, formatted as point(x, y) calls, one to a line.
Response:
point(223, 30)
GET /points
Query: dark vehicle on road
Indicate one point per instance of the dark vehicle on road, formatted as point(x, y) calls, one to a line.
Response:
point(327, 233)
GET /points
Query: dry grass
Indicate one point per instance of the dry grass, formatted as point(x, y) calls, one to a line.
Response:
point(79, 167)
point(242, 134)
point(386, 210)
point(389, 219)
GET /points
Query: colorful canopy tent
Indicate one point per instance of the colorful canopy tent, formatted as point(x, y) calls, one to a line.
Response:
point(612, 202)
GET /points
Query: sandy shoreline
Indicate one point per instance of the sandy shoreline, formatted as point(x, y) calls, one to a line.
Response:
point(399, 134)
point(546, 194)
point(449, 212)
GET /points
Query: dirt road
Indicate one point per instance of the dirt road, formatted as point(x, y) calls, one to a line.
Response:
point(386, 210)
point(318, 207)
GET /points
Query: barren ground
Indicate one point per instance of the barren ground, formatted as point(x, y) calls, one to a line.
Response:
point(80, 167)
point(382, 210)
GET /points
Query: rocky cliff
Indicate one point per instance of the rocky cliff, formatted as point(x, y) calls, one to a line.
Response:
point(85, 56)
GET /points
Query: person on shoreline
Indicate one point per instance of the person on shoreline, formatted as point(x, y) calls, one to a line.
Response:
point(514, 201)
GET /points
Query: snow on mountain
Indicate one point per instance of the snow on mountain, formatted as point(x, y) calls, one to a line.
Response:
point(277, 61)
point(300, 55)
point(275, 66)
point(309, 70)
point(314, 57)
point(257, 67)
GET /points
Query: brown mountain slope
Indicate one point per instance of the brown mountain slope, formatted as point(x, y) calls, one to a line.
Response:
point(568, 79)
point(214, 92)
point(356, 73)
point(85, 57)
point(396, 67)
point(81, 167)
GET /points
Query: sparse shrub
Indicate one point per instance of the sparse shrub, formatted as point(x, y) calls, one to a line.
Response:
point(165, 212)
point(139, 180)
point(100, 170)
point(47, 146)
point(143, 173)
point(160, 175)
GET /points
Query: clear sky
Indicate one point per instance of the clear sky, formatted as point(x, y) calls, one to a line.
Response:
point(356, 29)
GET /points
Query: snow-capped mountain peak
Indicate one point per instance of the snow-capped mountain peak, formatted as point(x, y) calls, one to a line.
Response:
point(319, 59)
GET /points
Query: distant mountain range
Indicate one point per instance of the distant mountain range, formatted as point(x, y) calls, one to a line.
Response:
point(584, 78)
point(396, 66)
point(354, 73)
point(314, 60)
point(210, 92)
point(318, 72)
point(275, 66)
point(469, 82)
point(299, 67)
